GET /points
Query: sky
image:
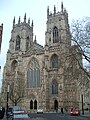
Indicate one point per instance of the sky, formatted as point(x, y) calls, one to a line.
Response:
point(36, 10)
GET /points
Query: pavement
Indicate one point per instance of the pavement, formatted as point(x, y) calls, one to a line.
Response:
point(86, 114)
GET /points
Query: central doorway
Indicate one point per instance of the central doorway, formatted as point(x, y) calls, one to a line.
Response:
point(55, 105)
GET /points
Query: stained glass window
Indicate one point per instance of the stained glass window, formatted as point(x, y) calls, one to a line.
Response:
point(54, 87)
point(55, 35)
point(54, 61)
point(17, 47)
point(33, 74)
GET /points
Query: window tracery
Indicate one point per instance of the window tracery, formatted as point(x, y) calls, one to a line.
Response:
point(55, 35)
point(54, 61)
point(17, 47)
point(33, 74)
point(54, 87)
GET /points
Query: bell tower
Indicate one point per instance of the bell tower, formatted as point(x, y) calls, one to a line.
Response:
point(21, 36)
point(57, 27)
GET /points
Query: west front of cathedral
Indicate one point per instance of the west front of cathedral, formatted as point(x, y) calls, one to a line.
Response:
point(42, 77)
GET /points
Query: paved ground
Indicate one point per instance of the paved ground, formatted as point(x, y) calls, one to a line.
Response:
point(57, 116)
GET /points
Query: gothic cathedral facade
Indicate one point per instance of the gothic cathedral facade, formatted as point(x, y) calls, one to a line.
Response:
point(41, 77)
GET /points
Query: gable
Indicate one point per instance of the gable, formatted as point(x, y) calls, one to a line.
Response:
point(35, 49)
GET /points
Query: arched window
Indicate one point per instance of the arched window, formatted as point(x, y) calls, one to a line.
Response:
point(31, 104)
point(54, 87)
point(54, 61)
point(55, 35)
point(33, 74)
point(35, 104)
point(17, 47)
point(13, 65)
point(27, 43)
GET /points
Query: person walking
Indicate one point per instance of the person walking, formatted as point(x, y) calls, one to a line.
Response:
point(62, 110)
point(2, 112)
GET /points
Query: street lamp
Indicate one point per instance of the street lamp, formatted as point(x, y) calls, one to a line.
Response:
point(8, 88)
point(82, 104)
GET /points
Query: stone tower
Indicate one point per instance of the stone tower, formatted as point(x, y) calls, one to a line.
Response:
point(21, 40)
point(21, 36)
point(57, 27)
point(41, 77)
point(58, 43)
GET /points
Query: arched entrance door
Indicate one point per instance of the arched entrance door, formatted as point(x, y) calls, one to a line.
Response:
point(55, 105)
point(31, 104)
point(35, 104)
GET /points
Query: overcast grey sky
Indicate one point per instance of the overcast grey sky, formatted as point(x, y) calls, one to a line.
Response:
point(37, 11)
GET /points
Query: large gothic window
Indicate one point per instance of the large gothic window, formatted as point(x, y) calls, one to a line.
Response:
point(54, 87)
point(55, 35)
point(17, 47)
point(13, 65)
point(54, 61)
point(33, 74)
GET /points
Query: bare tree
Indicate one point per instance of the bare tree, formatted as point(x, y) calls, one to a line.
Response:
point(17, 89)
point(80, 31)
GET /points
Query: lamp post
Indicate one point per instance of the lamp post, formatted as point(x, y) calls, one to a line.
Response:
point(8, 88)
point(82, 104)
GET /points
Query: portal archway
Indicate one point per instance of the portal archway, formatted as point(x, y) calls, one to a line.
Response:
point(31, 104)
point(35, 104)
point(55, 105)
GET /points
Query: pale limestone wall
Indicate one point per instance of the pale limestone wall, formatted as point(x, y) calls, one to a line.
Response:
point(68, 74)
point(24, 31)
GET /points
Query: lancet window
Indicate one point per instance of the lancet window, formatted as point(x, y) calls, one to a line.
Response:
point(17, 47)
point(54, 87)
point(55, 35)
point(54, 61)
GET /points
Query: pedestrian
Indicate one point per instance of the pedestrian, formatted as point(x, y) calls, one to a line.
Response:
point(56, 109)
point(2, 111)
point(62, 110)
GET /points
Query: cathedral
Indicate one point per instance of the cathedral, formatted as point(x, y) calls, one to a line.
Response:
point(42, 77)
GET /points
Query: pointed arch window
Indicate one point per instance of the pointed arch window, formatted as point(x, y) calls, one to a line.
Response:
point(35, 104)
point(31, 104)
point(54, 87)
point(14, 65)
point(17, 47)
point(33, 74)
point(55, 34)
point(54, 61)
point(27, 43)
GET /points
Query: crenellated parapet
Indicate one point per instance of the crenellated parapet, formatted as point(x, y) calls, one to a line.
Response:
point(25, 22)
point(62, 12)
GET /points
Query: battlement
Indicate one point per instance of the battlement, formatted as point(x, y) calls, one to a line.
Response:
point(62, 12)
point(24, 23)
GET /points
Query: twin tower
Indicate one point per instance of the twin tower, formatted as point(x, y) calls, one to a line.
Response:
point(42, 77)
point(57, 31)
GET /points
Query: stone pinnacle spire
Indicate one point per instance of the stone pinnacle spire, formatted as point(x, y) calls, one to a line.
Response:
point(54, 9)
point(14, 21)
point(62, 6)
point(25, 18)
